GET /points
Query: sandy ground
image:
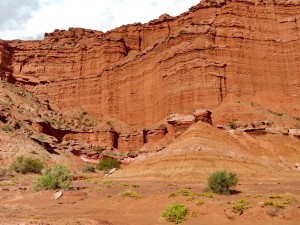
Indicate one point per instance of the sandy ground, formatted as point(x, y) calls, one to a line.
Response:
point(97, 201)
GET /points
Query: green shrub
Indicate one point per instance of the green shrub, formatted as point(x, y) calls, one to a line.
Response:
point(88, 169)
point(175, 213)
point(56, 177)
point(109, 163)
point(27, 165)
point(221, 181)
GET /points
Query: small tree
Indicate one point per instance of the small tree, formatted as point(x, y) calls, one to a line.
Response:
point(109, 163)
point(27, 165)
point(56, 177)
point(221, 181)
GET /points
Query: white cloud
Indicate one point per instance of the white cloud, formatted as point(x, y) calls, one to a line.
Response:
point(15, 12)
point(91, 14)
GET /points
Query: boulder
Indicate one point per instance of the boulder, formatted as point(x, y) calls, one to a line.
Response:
point(57, 195)
point(294, 132)
point(180, 123)
point(203, 115)
point(179, 120)
point(278, 130)
point(155, 134)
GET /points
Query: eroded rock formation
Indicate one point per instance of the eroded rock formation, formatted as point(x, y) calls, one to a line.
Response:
point(140, 73)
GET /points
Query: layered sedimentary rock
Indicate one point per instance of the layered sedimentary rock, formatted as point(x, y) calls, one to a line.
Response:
point(105, 138)
point(141, 73)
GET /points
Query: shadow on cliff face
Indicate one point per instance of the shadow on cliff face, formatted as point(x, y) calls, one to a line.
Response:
point(46, 146)
point(57, 133)
point(6, 57)
point(53, 132)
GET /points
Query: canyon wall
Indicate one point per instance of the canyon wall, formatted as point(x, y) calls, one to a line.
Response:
point(141, 73)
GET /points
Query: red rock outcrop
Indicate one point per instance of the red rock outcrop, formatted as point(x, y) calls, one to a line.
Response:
point(181, 123)
point(142, 72)
point(294, 132)
point(131, 142)
point(105, 138)
point(155, 134)
point(203, 115)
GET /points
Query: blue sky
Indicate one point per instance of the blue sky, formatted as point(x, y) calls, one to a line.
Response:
point(30, 19)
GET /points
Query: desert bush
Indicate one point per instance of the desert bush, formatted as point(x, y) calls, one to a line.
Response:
point(107, 181)
point(88, 169)
point(56, 177)
point(289, 198)
point(7, 128)
point(240, 206)
point(26, 165)
point(183, 192)
point(221, 181)
point(274, 196)
point(109, 163)
point(272, 202)
point(131, 194)
point(232, 123)
point(191, 198)
point(206, 194)
point(175, 213)
point(200, 203)
point(172, 195)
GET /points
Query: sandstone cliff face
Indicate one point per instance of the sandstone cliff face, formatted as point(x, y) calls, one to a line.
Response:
point(141, 73)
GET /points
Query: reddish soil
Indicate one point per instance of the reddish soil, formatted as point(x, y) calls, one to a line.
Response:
point(93, 202)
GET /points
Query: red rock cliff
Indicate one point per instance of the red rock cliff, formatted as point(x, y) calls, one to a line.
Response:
point(140, 73)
